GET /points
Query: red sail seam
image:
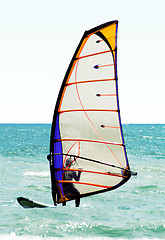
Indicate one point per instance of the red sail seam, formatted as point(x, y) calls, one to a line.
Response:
point(68, 152)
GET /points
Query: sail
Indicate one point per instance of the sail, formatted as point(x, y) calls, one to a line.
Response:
point(87, 151)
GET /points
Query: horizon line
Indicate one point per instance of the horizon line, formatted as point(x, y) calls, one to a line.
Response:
point(28, 123)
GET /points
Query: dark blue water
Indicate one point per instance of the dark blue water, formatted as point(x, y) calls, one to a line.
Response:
point(134, 211)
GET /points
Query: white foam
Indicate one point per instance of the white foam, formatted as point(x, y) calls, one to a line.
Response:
point(38, 174)
point(13, 236)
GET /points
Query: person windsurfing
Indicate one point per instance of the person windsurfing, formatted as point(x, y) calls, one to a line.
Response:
point(69, 188)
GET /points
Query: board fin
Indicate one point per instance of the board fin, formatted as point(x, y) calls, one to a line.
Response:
point(27, 203)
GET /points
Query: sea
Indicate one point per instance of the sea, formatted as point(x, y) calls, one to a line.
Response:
point(136, 210)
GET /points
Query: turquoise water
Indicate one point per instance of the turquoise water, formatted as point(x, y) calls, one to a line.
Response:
point(134, 211)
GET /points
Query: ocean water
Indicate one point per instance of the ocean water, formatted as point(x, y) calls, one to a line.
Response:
point(134, 211)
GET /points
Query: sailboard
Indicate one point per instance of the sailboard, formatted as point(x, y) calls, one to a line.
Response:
point(87, 150)
point(27, 203)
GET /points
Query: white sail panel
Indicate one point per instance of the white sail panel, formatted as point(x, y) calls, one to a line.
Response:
point(90, 129)
point(77, 94)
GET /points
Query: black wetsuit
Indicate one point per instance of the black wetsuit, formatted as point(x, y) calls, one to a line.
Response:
point(69, 188)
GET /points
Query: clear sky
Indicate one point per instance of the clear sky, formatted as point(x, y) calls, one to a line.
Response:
point(38, 39)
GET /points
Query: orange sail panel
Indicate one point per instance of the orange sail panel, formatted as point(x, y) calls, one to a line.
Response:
point(87, 149)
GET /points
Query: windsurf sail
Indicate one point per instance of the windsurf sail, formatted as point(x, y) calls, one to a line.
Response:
point(87, 151)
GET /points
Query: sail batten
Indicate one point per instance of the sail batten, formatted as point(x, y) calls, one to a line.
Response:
point(88, 110)
point(94, 54)
point(83, 183)
point(91, 81)
point(88, 171)
point(87, 123)
point(86, 140)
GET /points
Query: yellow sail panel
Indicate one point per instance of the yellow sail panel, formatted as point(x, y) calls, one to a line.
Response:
point(110, 34)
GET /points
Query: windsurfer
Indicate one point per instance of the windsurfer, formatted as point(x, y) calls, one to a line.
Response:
point(69, 188)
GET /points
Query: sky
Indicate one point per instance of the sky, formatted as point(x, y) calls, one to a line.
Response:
point(38, 39)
